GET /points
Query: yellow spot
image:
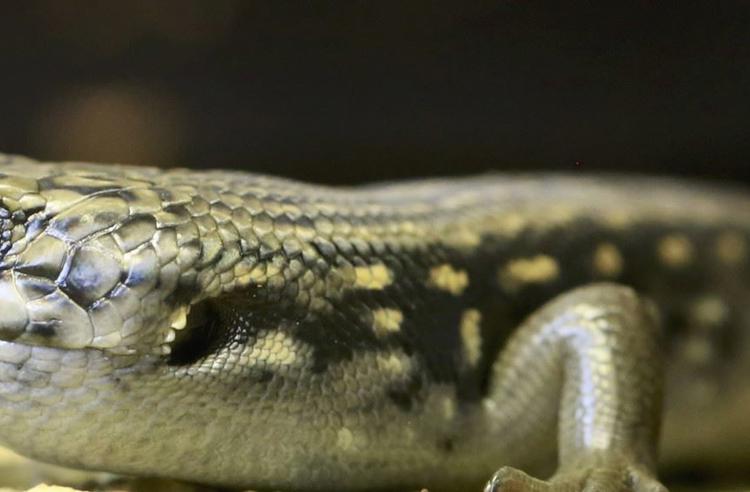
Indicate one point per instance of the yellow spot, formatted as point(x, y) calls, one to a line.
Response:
point(675, 250)
point(608, 260)
point(709, 312)
point(511, 224)
point(344, 438)
point(385, 321)
point(373, 277)
point(535, 270)
point(445, 277)
point(731, 248)
point(471, 336)
point(462, 238)
point(449, 408)
point(395, 363)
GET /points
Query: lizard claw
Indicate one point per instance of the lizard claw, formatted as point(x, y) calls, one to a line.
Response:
point(508, 479)
point(596, 479)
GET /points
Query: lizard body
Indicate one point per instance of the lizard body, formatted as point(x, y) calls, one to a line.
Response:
point(249, 331)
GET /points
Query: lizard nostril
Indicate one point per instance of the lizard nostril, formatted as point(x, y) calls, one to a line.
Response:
point(6, 231)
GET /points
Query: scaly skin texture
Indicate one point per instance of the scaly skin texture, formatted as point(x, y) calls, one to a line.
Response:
point(249, 331)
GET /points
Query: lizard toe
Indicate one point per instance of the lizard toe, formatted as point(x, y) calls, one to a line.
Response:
point(595, 479)
point(508, 479)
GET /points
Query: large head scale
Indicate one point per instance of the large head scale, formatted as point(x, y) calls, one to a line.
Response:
point(101, 257)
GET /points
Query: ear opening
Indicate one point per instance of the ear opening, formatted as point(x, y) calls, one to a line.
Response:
point(204, 334)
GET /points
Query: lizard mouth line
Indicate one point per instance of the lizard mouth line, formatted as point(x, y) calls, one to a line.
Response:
point(182, 341)
point(17, 352)
point(9, 349)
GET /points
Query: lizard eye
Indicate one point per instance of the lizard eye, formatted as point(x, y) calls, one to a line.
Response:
point(13, 224)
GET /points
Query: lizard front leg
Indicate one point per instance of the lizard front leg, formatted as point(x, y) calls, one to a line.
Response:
point(587, 363)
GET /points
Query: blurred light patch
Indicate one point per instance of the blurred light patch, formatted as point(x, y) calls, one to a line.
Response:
point(113, 123)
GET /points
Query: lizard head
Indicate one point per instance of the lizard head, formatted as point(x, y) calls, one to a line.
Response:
point(94, 257)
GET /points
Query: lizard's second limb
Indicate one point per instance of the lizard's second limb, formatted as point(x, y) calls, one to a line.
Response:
point(587, 364)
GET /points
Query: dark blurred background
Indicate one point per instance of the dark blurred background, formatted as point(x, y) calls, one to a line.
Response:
point(355, 91)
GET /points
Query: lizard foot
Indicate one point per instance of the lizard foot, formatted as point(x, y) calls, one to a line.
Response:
point(600, 478)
